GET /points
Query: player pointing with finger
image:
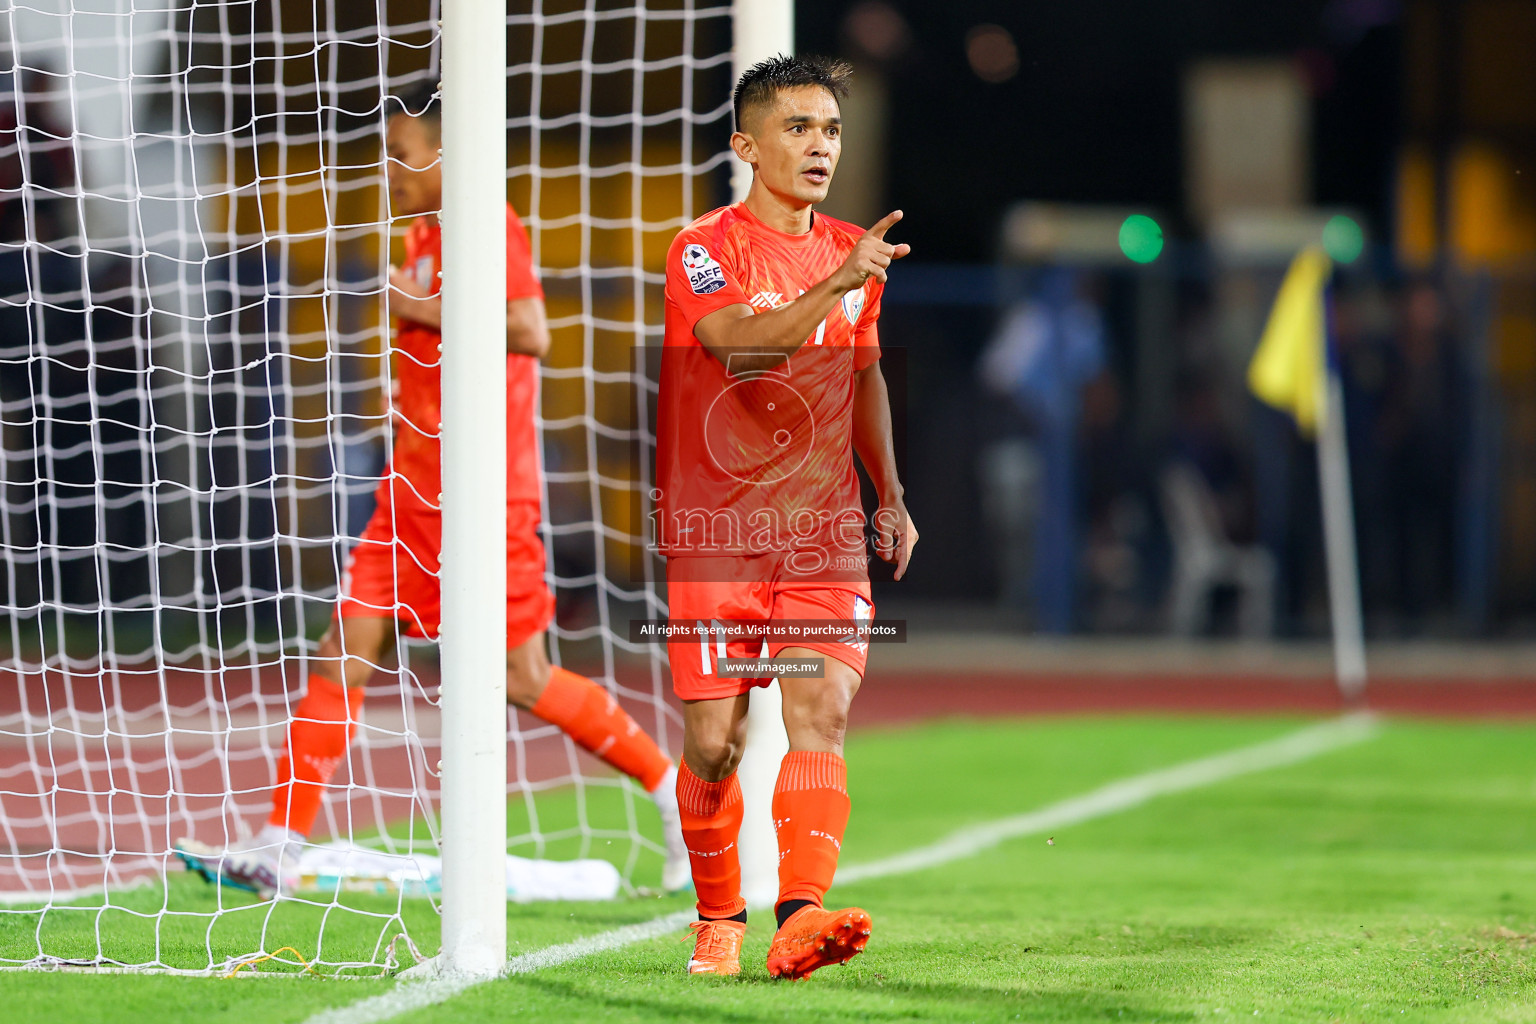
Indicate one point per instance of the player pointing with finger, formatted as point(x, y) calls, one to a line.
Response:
point(770, 385)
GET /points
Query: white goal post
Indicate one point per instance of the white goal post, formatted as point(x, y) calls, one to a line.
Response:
point(474, 446)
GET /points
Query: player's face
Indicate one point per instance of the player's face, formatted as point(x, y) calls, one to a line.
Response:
point(796, 142)
point(415, 172)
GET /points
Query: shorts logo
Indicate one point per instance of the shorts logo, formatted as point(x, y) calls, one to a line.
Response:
point(853, 305)
point(704, 274)
point(423, 273)
point(861, 617)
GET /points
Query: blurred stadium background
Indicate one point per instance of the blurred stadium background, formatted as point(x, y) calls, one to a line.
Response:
point(1019, 138)
point(1067, 396)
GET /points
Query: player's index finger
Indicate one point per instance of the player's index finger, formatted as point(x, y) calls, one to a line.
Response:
point(884, 224)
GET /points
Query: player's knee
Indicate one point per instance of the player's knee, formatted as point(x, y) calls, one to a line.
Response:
point(816, 718)
point(352, 650)
point(330, 644)
point(713, 754)
point(716, 759)
point(819, 728)
point(527, 676)
point(327, 662)
point(832, 726)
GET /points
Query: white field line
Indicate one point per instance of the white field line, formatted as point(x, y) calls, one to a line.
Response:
point(1125, 794)
point(417, 995)
point(1121, 795)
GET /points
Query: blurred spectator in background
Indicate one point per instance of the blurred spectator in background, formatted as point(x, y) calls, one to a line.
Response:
point(1048, 347)
point(1115, 512)
point(1420, 433)
point(37, 169)
point(1203, 439)
point(1364, 334)
point(37, 182)
point(37, 203)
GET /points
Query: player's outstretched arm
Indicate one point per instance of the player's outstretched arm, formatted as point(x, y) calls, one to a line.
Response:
point(527, 325)
point(895, 536)
point(527, 328)
point(772, 336)
point(410, 301)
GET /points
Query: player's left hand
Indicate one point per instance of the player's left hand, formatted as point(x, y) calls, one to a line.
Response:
point(410, 301)
point(895, 535)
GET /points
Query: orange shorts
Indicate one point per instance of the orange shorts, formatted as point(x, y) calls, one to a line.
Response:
point(393, 572)
point(756, 600)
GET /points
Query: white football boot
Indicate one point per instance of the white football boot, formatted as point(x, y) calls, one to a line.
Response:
point(258, 866)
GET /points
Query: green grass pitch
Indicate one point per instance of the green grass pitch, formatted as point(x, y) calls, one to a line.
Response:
point(1394, 880)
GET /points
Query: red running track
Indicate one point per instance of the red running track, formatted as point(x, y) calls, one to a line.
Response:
point(890, 698)
point(63, 792)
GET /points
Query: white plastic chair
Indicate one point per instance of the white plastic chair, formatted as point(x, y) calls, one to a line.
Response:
point(1204, 558)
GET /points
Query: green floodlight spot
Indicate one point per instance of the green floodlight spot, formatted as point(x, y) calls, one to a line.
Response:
point(1141, 238)
point(1343, 239)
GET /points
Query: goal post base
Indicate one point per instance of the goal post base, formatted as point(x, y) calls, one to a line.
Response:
point(465, 968)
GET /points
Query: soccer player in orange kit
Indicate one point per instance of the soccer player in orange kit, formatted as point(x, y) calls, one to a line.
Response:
point(392, 578)
point(770, 383)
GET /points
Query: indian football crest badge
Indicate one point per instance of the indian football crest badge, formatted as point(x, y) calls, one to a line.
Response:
point(853, 305)
point(704, 274)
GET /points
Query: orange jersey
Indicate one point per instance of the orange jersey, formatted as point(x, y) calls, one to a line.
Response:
point(418, 368)
point(762, 462)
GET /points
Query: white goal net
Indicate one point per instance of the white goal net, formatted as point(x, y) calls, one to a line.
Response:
point(195, 412)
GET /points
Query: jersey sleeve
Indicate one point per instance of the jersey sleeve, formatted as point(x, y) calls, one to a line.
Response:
point(866, 336)
point(522, 282)
point(700, 277)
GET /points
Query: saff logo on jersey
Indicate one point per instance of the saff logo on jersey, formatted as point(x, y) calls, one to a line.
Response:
point(704, 274)
point(853, 305)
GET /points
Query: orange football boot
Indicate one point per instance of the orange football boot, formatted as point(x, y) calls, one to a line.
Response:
point(716, 947)
point(813, 938)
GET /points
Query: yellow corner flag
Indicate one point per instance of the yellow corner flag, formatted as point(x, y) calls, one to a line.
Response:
point(1287, 369)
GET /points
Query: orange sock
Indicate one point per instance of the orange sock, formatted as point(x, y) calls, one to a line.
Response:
point(810, 813)
point(711, 813)
point(318, 736)
point(589, 715)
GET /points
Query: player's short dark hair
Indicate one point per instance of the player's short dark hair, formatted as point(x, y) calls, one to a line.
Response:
point(420, 101)
point(762, 82)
